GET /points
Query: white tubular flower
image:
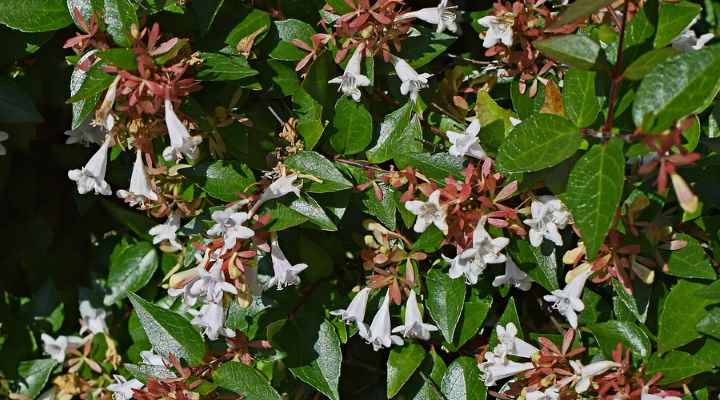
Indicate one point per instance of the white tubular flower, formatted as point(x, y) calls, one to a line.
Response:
point(93, 319)
point(443, 16)
point(139, 190)
point(355, 312)
point(285, 274)
point(92, 175)
point(499, 30)
point(167, 231)
point(85, 134)
point(584, 374)
point(412, 82)
point(380, 334)
point(429, 213)
point(123, 389)
point(473, 261)
point(513, 276)
point(466, 144)
point(181, 283)
point(567, 301)
point(212, 317)
point(496, 368)
point(551, 393)
point(3, 137)
point(510, 344)
point(549, 215)
point(414, 326)
point(647, 396)
point(150, 358)
point(181, 143)
point(57, 348)
point(352, 78)
point(279, 188)
point(688, 40)
point(228, 224)
point(211, 284)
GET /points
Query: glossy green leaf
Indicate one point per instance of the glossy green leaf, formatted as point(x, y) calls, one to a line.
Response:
point(400, 131)
point(647, 62)
point(710, 324)
point(578, 51)
point(609, 333)
point(539, 142)
point(310, 123)
point(223, 180)
point(94, 83)
point(119, 17)
point(287, 31)
point(81, 110)
point(579, 98)
point(675, 366)
point(401, 364)
point(594, 190)
point(462, 381)
point(445, 300)
point(383, 209)
point(425, 382)
point(690, 261)
point(121, 58)
point(673, 18)
point(35, 15)
point(539, 266)
point(169, 332)
point(421, 49)
point(577, 10)
point(223, 67)
point(352, 125)
point(474, 313)
point(314, 164)
point(253, 21)
point(33, 375)
point(131, 268)
point(680, 314)
point(682, 85)
point(244, 380)
point(436, 166)
point(313, 212)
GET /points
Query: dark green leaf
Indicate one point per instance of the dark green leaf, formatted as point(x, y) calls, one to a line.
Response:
point(421, 49)
point(131, 268)
point(674, 17)
point(15, 105)
point(710, 324)
point(594, 190)
point(34, 15)
point(446, 297)
point(436, 166)
point(539, 142)
point(119, 16)
point(310, 123)
point(429, 241)
point(541, 267)
point(577, 10)
point(288, 30)
point(169, 333)
point(401, 364)
point(222, 67)
point(579, 99)
point(314, 164)
point(609, 333)
point(647, 62)
point(33, 375)
point(462, 381)
point(578, 51)
point(383, 209)
point(83, 108)
point(352, 124)
point(690, 261)
point(138, 223)
point(474, 313)
point(204, 13)
point(675, 366)
point(399, 132)
point(121, 58)
point(223, 180)
point(313, 212)
point(252, 22)
point(244, 380)
point(94, 83)
point(681, 312)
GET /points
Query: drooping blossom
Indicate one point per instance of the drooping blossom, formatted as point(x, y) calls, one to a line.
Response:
point(497, 368)
point(549, 215)
point(122, 389)
point(355, 312)
point(56, 348)
point(466, 144)
point(181, 143)
point(568, 300)
point(414, 327)
point(513, 276)
point(167, 231)
point(499, 29)
point(92, 175)
point(473, 261)
point(92, 319)
point(443, 16)
point(412, 82)
point(211, 284)
point(211, 317)
point(229, 225)
point(285, 274)
point(380, 333)
point(352, 78)
point(140, 190)
point(429, 212)
point(688, 40)
point(585, 373)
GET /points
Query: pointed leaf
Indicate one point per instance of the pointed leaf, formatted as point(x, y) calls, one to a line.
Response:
point(446, 297)
point(462, 381)
point(131, 268)
point(314, 164)
point(401, 364)
point(244, 380)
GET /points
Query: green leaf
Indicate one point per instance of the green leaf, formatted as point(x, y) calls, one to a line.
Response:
point(352, 124)
point(314, 164)
point(121, 58)
point(16, 107)
point(429, 241)
point(252, 22)
point(594, 190)
point(316, 80)
point(436, 166)
point(675, 366)
point(681, 312)
point(474, 313)
point(144, 372)
point(288, 30)
point(384, 209)
point(446, 297)
point(34, 15)
point(679, 86)
point(462, 381)
point(425, 382)
point(401, 364)
point(674, 17)
point(578, 51)
point(635, 303)
point(537, 143)
point(609, 333)
point(313, 212)
point(419, 50)
point(314, 355)
point(579, 99)
point(710, 324)
point(82, 109)
point(169, 332)
point(509, 315)
point(138, 223)
point(131, 268)
point(33, 375)
point(94, 83)
point(577, 10)
point(221, 179)
point(690, 261)
point(223, 67)
point(310, 122)
point(86, 8)
point(204, 13)
point(647, 62)
point(399, 132)
point(119, 16)
point(244, 380)
point(541, 267)
point(710, 292)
